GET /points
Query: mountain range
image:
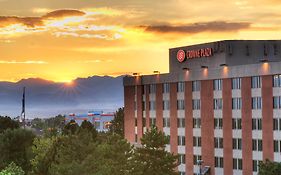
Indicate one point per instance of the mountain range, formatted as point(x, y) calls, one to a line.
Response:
point(46, 98)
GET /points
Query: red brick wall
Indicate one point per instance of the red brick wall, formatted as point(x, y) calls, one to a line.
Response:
point(159, 106)
point(207, 120)
point(139, 111)
point(267, 118)
point(188, 128)
point(173, 115)
point(247, 126)
point(129, 118)
point(227, 127)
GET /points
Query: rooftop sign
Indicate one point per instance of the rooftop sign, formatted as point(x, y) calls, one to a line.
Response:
point(190, 54)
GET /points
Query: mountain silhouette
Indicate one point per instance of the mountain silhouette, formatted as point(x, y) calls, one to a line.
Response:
point(47, 98)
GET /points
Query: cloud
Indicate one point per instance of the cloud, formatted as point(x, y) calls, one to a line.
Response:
point(22, 62)
point(215, 26)
point(38, 21)
point(63, 13)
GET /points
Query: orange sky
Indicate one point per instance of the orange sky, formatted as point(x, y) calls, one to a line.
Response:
point(65, 39)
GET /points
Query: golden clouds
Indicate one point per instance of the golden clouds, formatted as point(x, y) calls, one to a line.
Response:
point(215, 26)
point(65, 22)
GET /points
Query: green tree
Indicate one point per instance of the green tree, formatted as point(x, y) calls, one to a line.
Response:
point(38, 123)
point(111, 157)
point(12, 169)
point(44, 156)
point(151, 158)
point(15, 146)
point(269, 168)
point(117, 126)
point(87, 126)
point(55, 122)
point(7, 123)
point(70, 128)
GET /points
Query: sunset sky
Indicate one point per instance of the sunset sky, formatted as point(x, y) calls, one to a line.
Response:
point(61, 40)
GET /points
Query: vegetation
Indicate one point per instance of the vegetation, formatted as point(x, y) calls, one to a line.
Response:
point(7, 123)
point(82, 150)
point(117, 126)
point(12, 169)
point(152, 158)
point(270, 168)
point(15, 146)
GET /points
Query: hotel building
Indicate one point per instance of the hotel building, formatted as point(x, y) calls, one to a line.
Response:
point(219, 103)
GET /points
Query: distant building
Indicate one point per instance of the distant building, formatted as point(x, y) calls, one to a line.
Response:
point(100, 120)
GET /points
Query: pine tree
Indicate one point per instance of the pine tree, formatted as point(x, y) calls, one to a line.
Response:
point(152, 158)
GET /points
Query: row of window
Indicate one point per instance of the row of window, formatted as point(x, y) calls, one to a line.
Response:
point(217, 104)
point(218, 123)
point(217, 84)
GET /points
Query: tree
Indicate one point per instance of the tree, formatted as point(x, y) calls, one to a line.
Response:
point(71, 128)
point(15, 146)
point(117, 126)
point(12, 169)
point(151, 158)
point(269, 168)
point(111, 157)
point(87, 126)
point(42, 149)
point(55, 122)
point(7, 123)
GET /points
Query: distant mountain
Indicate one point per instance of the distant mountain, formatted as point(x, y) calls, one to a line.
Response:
point(46, 98)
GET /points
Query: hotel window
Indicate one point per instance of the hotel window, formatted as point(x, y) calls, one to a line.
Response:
point(277, 124)
point(143, 106)
point(256, 165)
point(166, 122)
point(218, 122)
point(152, 105)
point(237, 164)
point(135, 105)
point(136, 138)
point(257, 145)
point(181, 173)
point(237, 143)
point(196, 104)
point(236, 83)
point(152, 88)
point(181, 122)
point(196, 86)
point(166, 88)
point(136, 122)
point(152, 121)
point(181, 158)
point(169, 139)
point(256, 124)
point(196, 122)
point(180, 104)
point(143, 121)
point(218, 104)
point(180, 87)
point(181, 140)
point(236, 123)
point(277, 81)
point(218, 162)
point(197, 141)
point(218, 142)
point(256, 82)
point(166, 105)
point(218, 84)
point(277, 102)
point(236, 103)
point(256, 103)
point(196, 158)
point(277, 146)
